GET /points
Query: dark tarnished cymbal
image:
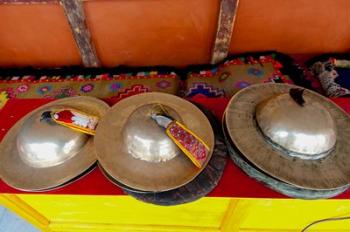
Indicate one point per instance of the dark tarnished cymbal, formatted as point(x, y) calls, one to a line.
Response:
point(273, 183)
point(277, 144)
point(37, 155)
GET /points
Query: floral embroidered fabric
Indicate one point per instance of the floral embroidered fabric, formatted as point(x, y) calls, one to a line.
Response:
point(101, 86)
point(235, 74)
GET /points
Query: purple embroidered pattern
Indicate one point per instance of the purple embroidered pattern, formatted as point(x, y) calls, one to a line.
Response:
point(22, 88)
point(115, 86)
point(205, 89)
point(256, 72)
point(163, 84)
point(87, 88)
point(241, 84)
point(44, 89)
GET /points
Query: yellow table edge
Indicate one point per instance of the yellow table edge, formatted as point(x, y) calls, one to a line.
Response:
point(73, 213)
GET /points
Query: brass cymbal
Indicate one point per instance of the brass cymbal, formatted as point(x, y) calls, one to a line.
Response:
point(306, 132)
point(253, 130)
point(37, 155)
point(135, 151)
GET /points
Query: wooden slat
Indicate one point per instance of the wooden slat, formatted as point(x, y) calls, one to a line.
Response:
point(28, 2)
point(76, 18)
point(226, 19)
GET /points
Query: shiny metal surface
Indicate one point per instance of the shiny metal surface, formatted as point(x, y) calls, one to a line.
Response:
point(43, 144)
point(306, 132)
point(144, 139)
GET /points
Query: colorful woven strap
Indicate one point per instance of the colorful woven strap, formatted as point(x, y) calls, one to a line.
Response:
point(75, 120)
point(190, 144)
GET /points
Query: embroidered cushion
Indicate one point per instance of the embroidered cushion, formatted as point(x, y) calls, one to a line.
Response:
point(103, 85)
point(232, 75)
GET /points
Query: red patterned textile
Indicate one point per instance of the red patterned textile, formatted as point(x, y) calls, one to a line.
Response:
point(192, 146)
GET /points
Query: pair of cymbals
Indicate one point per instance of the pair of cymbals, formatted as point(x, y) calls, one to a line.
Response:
point(131, 148)
point(290, 138)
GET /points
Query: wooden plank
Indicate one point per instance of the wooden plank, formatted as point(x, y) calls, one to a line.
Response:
point(226, 20)
point(28, 2)
point(76, 18)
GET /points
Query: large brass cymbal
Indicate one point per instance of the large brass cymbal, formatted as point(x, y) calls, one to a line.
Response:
point(134, 150)
point(36, 155)
point(321, 173)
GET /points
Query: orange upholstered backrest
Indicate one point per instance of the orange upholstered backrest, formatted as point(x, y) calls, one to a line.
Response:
point(170, 32)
